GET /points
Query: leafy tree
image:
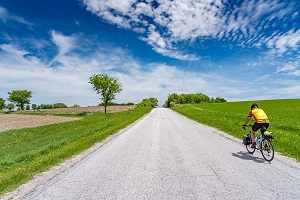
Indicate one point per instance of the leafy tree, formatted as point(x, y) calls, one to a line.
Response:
point(27, 107)
point(174, 99)
point(145, 102)
point(46, 106)
point(10, 106)
point(153, 102)
point(34, 106)
point(149, 102)
point(59, 105)
point(106, 86)
point(220, 100)
point(2, 104)
point(20, 98)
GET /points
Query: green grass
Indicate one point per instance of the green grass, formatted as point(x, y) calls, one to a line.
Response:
point(27, 152)
point(228, 117)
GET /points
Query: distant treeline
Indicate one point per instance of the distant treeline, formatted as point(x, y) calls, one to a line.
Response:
point(49, 106)
point(174, 99)
point(117, 104)
point(62, 105)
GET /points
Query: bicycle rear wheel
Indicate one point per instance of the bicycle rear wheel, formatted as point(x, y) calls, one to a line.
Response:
point(267, 149)
point(249, 149)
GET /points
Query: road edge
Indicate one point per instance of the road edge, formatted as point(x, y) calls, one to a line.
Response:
point(27, 188)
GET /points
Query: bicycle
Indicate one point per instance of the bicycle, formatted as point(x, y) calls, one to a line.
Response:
point(263, 144)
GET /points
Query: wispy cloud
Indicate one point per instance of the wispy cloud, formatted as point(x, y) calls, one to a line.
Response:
point(140, 80)
point(6, 17)
point(164, 24)
point(282, 43)
point(56, 66)
point(291, 68)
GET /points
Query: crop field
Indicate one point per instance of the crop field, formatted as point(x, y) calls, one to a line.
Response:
point(228, 117)
point(28, 151)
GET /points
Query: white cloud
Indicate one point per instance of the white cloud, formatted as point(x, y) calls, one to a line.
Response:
point(185, 20)
point(68, 83)
point(282, 43)
point(64, 43)
point(5, 16)
point(290, 69)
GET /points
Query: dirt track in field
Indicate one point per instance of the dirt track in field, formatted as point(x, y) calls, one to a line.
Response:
point(16, 121)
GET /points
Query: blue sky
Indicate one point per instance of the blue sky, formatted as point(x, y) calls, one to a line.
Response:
point(239, 50)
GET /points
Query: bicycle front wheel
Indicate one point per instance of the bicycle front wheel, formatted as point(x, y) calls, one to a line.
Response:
point(267, 149)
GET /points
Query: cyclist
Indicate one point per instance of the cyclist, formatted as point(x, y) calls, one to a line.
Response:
point(261, 121)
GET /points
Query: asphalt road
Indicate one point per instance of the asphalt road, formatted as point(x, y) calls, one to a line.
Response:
point(167, 156)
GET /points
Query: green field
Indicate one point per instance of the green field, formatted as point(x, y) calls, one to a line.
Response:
point(27, 152)
point(228, 117)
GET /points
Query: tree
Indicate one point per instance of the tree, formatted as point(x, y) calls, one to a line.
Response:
point(145, 102)
point(10, 106)
point(20, 98)
point(174, 99)
point(2, 104)
point(106, 86)
point(153, 102)
point(59, 105)
point(34, 106)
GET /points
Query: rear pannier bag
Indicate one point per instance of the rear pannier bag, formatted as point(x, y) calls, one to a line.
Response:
point(269, 135)
point(246, 139)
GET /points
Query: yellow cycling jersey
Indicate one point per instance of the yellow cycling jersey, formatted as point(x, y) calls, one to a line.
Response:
point(259, 116)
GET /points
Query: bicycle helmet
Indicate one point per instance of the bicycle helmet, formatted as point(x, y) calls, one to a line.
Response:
point(253, 106)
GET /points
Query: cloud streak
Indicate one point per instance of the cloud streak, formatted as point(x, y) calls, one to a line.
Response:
point(68, 82)
point(56, 66)
point(7, 17)
point(164, 25)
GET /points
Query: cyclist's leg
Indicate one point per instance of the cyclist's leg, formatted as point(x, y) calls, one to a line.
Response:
point(264, 127)
point(254, 128)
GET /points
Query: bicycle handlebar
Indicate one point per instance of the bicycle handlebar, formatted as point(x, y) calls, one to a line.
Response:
point(247, 125)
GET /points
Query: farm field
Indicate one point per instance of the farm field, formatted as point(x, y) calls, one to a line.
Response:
point(14, 121)
point(228, 117)
point(27, 119)
point(76, 110)
point(26, 152)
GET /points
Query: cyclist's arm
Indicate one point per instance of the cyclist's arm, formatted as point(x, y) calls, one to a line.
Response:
point(246, 121)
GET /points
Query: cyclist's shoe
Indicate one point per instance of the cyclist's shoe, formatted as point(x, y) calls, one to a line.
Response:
point(253, 145)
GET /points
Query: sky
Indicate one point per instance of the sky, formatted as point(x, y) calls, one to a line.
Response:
point(241, 50)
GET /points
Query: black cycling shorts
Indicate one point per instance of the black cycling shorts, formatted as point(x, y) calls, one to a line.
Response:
point(257, 126)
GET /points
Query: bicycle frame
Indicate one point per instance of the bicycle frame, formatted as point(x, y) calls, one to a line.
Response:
point(265, 145)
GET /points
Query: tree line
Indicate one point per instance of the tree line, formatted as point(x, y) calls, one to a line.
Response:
point(103, 84)
point(107, 87)
point(21, 100)
point(174, 99)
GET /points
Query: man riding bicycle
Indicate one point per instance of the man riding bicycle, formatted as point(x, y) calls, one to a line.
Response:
point(261, 121)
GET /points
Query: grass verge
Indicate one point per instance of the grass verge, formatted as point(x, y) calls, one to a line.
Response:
point(27, 152)
point(228, 117)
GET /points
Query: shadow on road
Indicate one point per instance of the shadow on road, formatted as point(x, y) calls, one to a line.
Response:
point(246, 156)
